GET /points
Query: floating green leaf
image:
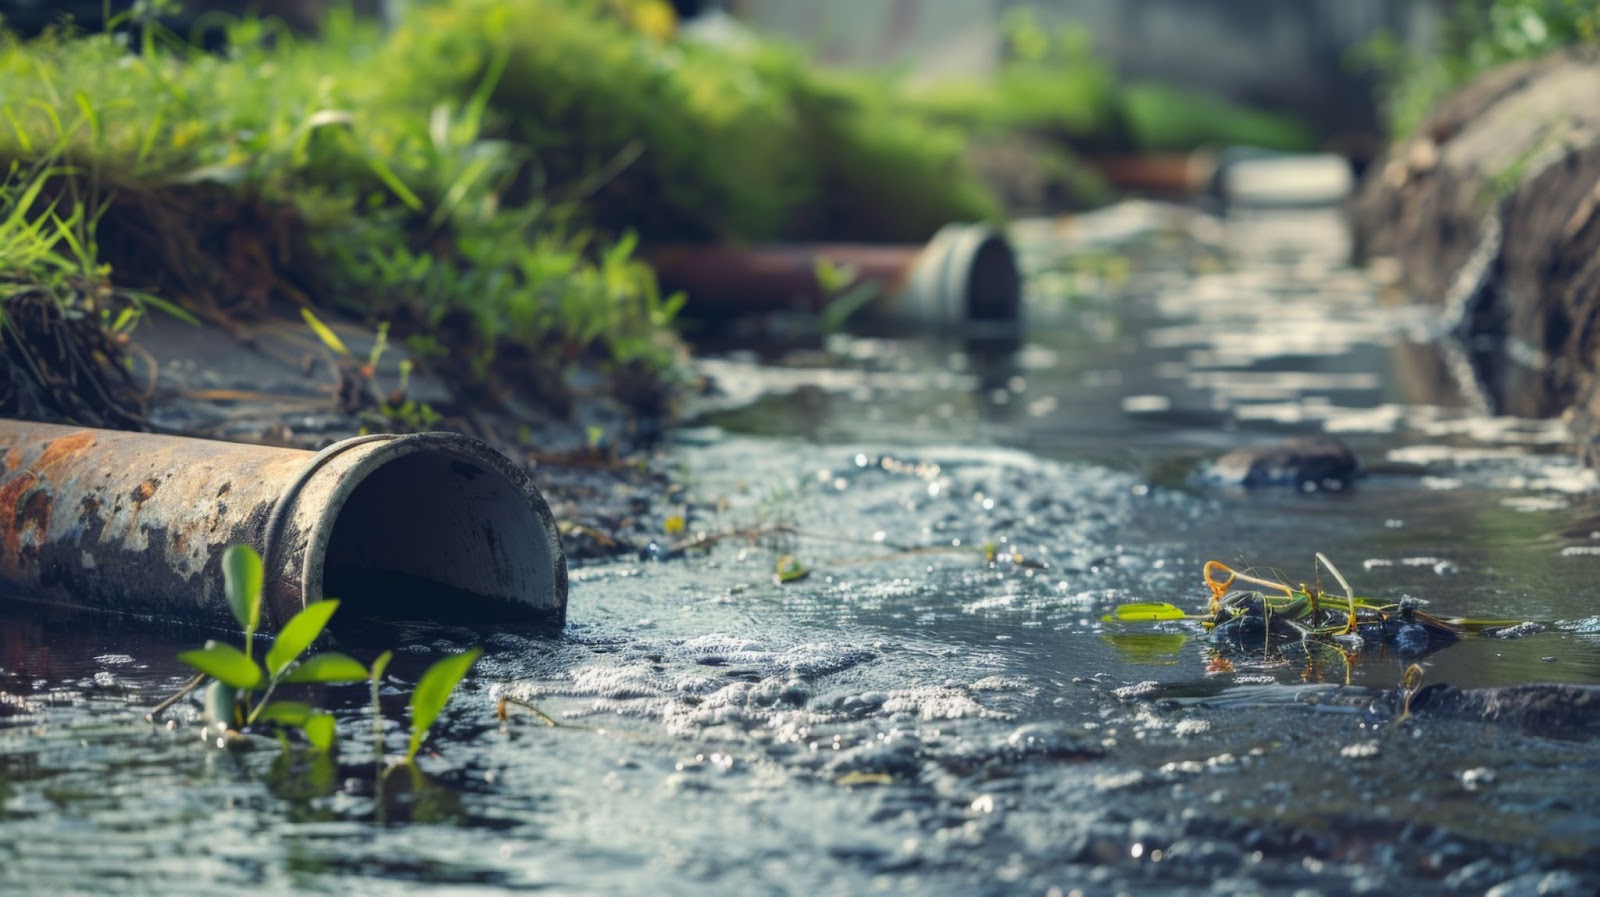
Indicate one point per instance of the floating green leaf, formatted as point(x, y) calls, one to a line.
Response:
point(790, 570)
point(328, 668)
point(1162, 648)
point(226, 664)
point(242, 577)
point(319, 729)
point(1144, 612)
point(433, 691)
point(298, 634)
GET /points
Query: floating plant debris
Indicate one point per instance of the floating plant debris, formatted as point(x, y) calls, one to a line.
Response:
point(1249, 612)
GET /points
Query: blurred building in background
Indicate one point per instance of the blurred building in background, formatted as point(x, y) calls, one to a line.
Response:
point(922, 38)
point(1285, 55)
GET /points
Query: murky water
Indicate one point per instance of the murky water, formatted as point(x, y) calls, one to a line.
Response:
point(913, 717)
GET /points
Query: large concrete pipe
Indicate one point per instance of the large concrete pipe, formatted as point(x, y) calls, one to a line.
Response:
point(427, 526)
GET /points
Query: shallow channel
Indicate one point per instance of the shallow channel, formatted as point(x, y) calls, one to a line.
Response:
point(913, 716)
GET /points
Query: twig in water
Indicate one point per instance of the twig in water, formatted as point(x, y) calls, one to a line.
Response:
point(187, 689)
point(526, 705)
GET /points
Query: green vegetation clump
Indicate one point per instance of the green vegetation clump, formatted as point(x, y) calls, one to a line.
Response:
point(284, 171)
point(681, 140)
point(1478, 37)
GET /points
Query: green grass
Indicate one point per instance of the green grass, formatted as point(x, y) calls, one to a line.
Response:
point(1477, 37)
point(290, 171)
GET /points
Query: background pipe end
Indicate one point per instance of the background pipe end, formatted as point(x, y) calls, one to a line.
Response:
point(968, 278)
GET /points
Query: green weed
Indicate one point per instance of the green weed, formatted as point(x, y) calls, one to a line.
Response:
point(241, 688)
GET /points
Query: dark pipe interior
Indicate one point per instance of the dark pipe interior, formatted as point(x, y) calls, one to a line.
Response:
point(431, 536)
point(994, 285)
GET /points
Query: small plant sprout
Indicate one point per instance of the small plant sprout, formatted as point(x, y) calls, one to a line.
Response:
point(230, 700)
point(241, 691)
point(433, 692)
point(1349, 594)
point(242, 578)
point(378, 667)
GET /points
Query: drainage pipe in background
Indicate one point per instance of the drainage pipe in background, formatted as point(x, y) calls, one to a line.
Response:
point(966, 276)
point(432, 526)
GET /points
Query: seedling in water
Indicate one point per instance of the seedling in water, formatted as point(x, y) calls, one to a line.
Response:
point(231, 699)
point(431, 693)
point(231, 702)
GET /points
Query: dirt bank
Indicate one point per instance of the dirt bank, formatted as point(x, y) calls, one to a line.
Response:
point(1491, 213)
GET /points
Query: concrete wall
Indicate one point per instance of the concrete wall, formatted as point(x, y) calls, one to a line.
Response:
point(1284, 54)
point(923, 38)
point(1291, 55)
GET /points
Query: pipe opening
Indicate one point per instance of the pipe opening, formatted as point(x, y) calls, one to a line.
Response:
point(434, 535)
point(994, 283)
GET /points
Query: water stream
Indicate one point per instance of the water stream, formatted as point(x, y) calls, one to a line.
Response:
point(913, 716)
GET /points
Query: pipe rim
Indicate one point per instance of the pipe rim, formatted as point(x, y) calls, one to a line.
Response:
point(368, 460)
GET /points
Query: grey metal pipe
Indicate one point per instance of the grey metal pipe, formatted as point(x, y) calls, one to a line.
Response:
point(425, 526)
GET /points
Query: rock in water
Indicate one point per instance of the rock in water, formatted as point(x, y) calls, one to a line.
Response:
point(1311, 463)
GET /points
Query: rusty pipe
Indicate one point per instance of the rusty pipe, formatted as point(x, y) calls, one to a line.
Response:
point(966, 274)
point(1166, 174)
point(424, 526)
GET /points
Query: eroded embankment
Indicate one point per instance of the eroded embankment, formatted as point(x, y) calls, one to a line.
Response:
point(1490, 212)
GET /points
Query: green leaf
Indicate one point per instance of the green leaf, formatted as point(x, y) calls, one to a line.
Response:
point(242, 577)
point(832, 278)
point(381, 664)
point(287, 713)
point(298, 634)
point(846, 304)
point(1147, 647)
point(1144, 612)
point(319, 729)
point(325, 333)
point(328, 668)
point(433, 691)
point(226, 664)
point(790, 570)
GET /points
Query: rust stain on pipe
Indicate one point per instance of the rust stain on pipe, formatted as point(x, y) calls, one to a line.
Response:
point(130, 521)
